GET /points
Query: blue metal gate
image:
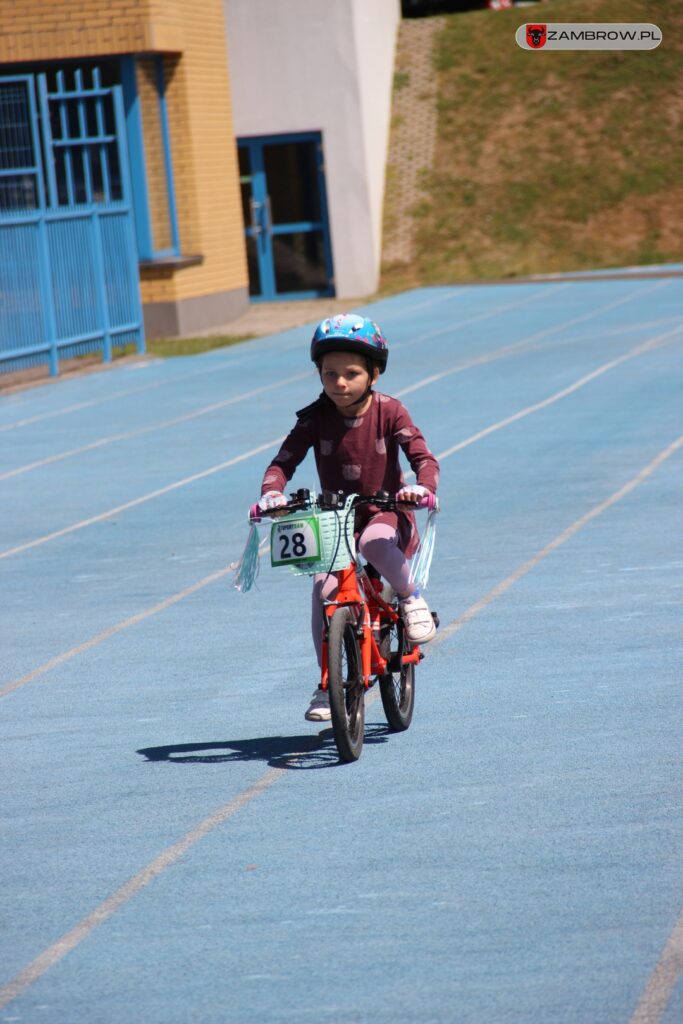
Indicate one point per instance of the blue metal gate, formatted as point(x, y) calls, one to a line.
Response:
point(68, 260)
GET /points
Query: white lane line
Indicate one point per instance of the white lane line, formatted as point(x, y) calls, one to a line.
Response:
point(528, 411)
point(64, 945)
point(121, 394)
point(228, 364)
point(663, 980)
point(448, 631)
point(215, 366)
point(550, 331)
point(114, 438)
point(621, 329)
point(559, 395)
point(141, 500)
point(518, 347)
point(106, 634)
point(452, 327)
point(158, 384)
point(425, 337)
point(639, 350)
point(522, 346)
point(161, 425)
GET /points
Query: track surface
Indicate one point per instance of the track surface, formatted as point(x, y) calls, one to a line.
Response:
point(178, 844)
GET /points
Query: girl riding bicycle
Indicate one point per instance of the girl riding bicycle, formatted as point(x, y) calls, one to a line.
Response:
point(356, 433)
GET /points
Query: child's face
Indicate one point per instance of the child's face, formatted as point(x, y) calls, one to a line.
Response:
point(345, 378)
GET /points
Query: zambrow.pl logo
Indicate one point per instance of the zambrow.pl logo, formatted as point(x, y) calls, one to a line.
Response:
point(536, 36)
point(608, 36)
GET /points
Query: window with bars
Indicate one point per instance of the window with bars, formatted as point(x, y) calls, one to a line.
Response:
point(57, 127)
point(19, 169)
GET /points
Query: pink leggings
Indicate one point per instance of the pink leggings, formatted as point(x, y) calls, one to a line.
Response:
point(378, 543)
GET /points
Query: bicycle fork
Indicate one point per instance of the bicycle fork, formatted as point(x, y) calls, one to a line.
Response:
point(367, 628)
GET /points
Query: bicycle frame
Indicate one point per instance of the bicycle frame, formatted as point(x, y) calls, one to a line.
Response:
point(362, 593)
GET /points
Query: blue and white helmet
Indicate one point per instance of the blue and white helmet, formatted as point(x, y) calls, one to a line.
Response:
point(350, 332)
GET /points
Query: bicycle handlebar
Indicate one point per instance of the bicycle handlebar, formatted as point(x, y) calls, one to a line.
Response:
point(326, 502)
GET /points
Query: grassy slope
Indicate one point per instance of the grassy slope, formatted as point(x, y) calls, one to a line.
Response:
point(552, 161)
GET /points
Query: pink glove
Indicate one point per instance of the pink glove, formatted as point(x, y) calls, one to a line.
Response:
point(271, 500)
point(412, 494)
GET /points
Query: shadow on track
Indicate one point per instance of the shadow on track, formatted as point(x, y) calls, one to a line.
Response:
point(294, 753)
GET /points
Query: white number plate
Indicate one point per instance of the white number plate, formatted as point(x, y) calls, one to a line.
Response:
point(295, 540)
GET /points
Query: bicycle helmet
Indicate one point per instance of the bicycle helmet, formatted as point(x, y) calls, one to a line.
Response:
point(350, 332)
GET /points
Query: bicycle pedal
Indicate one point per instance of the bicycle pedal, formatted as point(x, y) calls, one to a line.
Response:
point(437, 623)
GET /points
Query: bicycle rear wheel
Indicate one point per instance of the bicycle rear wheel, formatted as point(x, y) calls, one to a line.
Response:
point(347, 690)
point(397, 686)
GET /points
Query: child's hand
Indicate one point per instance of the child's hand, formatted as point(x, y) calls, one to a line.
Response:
point(412, 494)
point(271, 500)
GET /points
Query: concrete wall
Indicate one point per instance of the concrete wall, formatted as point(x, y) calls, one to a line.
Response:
point(324, 65)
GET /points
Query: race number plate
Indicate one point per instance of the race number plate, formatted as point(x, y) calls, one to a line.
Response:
point(295, 541)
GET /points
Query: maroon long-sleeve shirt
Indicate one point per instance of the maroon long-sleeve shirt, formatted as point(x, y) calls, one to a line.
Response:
point(359, 455)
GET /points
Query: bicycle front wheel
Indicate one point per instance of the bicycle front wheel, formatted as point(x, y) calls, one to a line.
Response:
point(347, 689)
point(397, 687)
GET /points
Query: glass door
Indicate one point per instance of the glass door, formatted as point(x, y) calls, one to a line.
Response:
point(285, 217)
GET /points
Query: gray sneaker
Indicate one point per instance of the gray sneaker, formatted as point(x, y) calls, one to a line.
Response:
point(319, 708)
point(418, 623)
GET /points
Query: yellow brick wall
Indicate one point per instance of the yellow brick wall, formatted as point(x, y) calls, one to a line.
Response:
point(155, 166)
point(203, 149)
point(54, 29)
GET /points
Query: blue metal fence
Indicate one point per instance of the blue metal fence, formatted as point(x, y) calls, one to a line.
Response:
point(68, 258)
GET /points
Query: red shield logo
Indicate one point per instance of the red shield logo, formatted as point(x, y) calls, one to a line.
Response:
point(536, 36)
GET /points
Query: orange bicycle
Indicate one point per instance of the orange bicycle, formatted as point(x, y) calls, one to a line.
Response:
point(363, 637)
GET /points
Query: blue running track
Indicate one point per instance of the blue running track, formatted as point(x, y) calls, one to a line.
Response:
point(179, 845)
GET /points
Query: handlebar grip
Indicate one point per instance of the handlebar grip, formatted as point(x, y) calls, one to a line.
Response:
point(255, 514)
point(430, 502)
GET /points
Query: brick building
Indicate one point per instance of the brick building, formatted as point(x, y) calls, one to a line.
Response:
point(133, 202)
point(171, 66)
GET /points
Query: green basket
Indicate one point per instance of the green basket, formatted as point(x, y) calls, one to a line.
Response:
point(325, 538)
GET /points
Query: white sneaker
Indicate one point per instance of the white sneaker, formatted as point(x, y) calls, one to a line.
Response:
point(319, 708)
point(418, 623)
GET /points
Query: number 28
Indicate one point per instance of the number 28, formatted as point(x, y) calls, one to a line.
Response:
point(298, 549)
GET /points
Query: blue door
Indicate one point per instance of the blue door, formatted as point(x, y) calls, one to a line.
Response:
point(285, 217)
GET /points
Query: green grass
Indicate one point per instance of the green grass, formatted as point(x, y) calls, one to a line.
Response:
point(167, 347)
point(551, 161)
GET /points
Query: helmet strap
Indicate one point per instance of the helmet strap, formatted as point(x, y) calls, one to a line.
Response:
point(368, 391)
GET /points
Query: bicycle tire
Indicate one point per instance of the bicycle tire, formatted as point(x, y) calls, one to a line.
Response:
point(346, 686)
point(397, 686)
